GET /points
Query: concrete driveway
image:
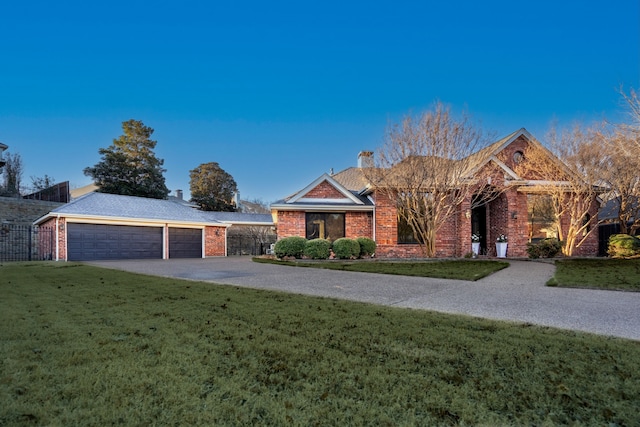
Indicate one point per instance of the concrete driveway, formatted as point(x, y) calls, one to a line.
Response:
point(517, 293)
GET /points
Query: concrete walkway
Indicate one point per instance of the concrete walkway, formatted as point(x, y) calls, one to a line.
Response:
point(517, 293)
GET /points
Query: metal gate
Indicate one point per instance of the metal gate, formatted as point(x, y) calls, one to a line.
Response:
point(248, 245)
point(26, 243)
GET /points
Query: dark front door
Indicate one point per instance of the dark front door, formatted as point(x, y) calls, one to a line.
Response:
point(479, 225)
point(87, 242)
point(185, 243)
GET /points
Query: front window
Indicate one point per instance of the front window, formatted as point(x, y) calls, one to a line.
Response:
point(542, 218)
point(405, 232)
point(322, 225)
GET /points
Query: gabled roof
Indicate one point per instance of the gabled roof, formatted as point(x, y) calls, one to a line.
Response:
point(96, 206)
point(489, 154)
point(350, 199)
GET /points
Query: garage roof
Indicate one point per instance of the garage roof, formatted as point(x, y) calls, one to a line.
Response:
point(103, 205)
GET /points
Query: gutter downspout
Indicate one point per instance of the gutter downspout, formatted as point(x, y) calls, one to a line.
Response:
point(58, 238)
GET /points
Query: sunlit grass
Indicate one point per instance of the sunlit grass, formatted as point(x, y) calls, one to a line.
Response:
point(600, 273)
point(443, 269)
point(86, 346)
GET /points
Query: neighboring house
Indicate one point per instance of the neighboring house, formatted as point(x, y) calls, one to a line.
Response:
point(346, 205)
point(609, 220)
point(2, 148)
point(108, 226)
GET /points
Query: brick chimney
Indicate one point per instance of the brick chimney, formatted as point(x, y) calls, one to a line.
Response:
point(365, 159)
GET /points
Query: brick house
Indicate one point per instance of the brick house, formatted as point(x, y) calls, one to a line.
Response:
point(346, 205)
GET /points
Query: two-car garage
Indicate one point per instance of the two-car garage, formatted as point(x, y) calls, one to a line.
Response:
point(87, 242)
point(101, 226)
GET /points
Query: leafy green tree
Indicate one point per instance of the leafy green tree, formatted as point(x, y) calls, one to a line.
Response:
point(129, 166)
point(212, 188)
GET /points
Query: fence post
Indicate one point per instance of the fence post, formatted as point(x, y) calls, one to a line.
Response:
point(30, 239)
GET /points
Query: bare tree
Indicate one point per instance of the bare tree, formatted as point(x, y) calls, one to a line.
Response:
point(632, 102)
point(42, 183)
point(620, 171)
point(623, 163)
point(572, 183)
point(424, 167)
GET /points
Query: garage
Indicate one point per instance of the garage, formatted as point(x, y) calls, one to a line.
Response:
point(87, 242)
point(102, 226)
point(185, 242)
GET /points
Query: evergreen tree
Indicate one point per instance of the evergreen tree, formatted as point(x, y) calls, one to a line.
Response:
point(129, 166)
point(12, 176)
point(212, 188)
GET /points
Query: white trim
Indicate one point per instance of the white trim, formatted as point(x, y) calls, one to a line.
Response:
point(58, 238)
point(320, 200)
point(299, 196)
point(96, 219)
point(506, 168)
point(165, 238)
point(323, 208)
point(232, 223)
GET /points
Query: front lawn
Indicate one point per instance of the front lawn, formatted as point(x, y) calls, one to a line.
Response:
point(600, 273)
point(443, 269)
point(81, 345)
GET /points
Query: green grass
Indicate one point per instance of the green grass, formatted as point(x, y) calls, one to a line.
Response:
point(81, 345)
point(444, 269)
point(599, 273)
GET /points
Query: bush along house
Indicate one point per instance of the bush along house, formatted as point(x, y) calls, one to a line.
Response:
point(512, 204)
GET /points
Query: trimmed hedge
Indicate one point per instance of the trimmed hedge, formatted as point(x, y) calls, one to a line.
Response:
point(317, 249)
point(545, 248)
point(623, 246)
point(345, 248)
point(367, 246)
point(290, 247)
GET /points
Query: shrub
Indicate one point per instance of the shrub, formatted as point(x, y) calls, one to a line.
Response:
point(317, 249)
point(290, 247)
point(367, 246)
point(623, 246)
point(545, 248)
point(344, 248)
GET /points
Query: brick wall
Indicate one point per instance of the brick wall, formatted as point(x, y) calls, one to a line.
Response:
point(358, 224)
point(214, 241)
point(291, 223)
point(324, 190)
point(61, 238)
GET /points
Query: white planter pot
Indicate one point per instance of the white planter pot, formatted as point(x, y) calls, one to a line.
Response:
point(475, 248)
point(501, 249)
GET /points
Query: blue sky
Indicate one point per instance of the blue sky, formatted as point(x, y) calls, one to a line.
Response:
point(280, 92)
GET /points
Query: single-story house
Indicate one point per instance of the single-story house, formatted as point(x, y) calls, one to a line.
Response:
point(100, 226)
point(345, 204)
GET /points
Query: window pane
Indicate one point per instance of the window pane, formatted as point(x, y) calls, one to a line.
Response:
point(405, 232)
point(320, 225)
point(541, 217)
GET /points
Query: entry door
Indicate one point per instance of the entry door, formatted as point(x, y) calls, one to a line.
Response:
point(479, 225)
